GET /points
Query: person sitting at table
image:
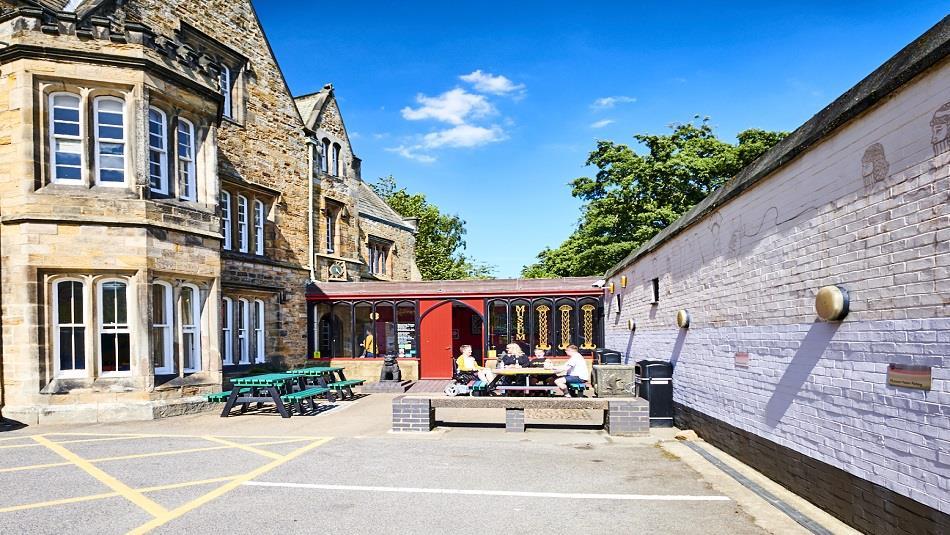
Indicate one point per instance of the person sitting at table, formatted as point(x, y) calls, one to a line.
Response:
point(574, 371)
point(513, 357)
point(466, 363)
point(539, 358)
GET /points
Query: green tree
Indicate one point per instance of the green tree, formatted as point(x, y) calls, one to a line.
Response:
point(440, 243)
point(634, 196)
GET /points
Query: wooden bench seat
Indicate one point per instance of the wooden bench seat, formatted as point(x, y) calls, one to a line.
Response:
point(296, 400)
point(343, 384)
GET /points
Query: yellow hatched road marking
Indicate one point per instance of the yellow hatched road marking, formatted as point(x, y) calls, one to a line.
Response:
point(224, 489)
point(78, 441)
point(153, 454)
point(127, 492)
point(147, 435)
point(244, 447)
point(24, 437)
point(91, 497)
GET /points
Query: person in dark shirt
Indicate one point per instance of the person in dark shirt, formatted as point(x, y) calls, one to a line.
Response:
point(514, 357)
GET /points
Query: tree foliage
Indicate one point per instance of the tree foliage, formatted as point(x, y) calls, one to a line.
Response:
point(634, 196)
point(440, 243)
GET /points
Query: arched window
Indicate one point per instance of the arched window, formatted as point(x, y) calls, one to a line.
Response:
point(226, 219)
point(543, 324)
point(258, 331)
point(324, 156)
point(162, 319)
point(191, 328)
point(110, 141)
point(157, 151)
point(186, 161)
point(227, 331)
point(331, 214)
point(565, 318)
point(498, 325)
point(69, 328)
point(588, 330)
point(66, 153)
point(243, 321)
point(258, 227)
point(115, 351)
point(335, 164)
point(242, 229)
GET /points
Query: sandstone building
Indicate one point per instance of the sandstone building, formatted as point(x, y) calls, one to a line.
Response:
point(165, 204)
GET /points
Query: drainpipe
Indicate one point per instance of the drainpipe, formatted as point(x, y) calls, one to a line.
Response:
point(310, 146)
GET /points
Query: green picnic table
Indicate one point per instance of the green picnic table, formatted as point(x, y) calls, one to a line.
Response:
point(276, 388)
point(330, 377)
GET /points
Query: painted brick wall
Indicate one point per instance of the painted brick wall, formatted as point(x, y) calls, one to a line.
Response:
point(867, 209)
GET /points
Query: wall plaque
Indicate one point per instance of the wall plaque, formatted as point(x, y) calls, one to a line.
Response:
point(742, 359)
point(907, 376)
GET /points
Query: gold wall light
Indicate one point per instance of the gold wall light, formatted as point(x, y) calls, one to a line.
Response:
point(832, 303)
point(623, 281)
point(682, 319)
point(631, 325)
point(611, 287)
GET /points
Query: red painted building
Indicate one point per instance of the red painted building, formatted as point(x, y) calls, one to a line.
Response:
point(428, 321)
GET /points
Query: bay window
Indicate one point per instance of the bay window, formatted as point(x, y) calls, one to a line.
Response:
point(258, 331)
point(227, 331)
point(66, 152)
point(162, 318)
point(243, 320)
point(110, 141)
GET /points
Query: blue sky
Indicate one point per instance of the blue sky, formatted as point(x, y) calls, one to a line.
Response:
point(490, 108)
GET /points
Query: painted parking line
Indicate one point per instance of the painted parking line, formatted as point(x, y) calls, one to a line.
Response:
point(77, 441)
point(516, 493)
point(224, 489)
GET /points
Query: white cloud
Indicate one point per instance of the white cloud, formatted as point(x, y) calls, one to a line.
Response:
point(454, 107)
point(463, 135)
point(609, 102)
point(410, 153)
point(601, 123)
point(487, 82)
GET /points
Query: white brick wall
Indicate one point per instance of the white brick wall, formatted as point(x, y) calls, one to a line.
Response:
point(748, 274)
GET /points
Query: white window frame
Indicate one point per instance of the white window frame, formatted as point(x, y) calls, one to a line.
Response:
point(227, 332)
point(226, 219)
point(162, 152)
point(225, 81)
point(242, 224)
point(168, 328)
point(331, 230)
point(54, 137)
point(117, 327)
point(193, 329)
point(99, 140)
point(259, 331)
point(244, 312)
point(74, 373)
point(187, 178)
point(258, 227)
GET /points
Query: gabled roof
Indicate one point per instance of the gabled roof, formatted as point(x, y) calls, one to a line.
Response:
point(311, 105)
point(371, 205)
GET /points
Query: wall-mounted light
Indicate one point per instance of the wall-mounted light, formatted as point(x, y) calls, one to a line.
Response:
point(631, 325)
point(623, 281)
point(832, 303)
point(611, 287)
point(682, 319)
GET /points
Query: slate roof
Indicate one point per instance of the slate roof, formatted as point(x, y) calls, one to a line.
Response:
point(372, 205)
point(312, 104)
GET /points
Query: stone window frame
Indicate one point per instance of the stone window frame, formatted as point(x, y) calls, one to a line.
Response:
point(129, 324)
point(87, 310)
point(226, 220)
point(258, 218)
point(227, 331)
point(163, 151)
point(174, 115)
point(386, 247)
point(243, 326)
point(88, 94)
point(336, 162)
point(260, 331)
point(332, 212)
point(201, 292)
point(243, 316)
point(53, 137)
point(237, 66)
point(186, 164)
point(195, 328)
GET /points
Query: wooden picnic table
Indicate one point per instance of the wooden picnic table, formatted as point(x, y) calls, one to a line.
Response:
point(527, 373)
point(267, 388)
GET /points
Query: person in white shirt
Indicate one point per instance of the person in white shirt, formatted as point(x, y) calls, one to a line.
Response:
point(574, 370)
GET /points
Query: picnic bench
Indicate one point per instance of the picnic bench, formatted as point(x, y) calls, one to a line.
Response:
point(332, 378)
point(288, 391)
point(543, 374)
point(622, 416)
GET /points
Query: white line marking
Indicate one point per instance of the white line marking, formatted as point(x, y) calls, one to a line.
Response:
point(472, 492)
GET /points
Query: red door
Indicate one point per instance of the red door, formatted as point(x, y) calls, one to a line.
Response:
point(436, 334)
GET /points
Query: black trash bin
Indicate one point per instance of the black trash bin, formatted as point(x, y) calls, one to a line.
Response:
point(607, 356)
point(654, 380)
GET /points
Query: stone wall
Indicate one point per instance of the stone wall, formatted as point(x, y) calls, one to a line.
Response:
point(866, 208)
point(402, 256)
